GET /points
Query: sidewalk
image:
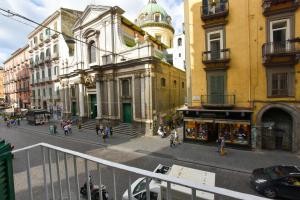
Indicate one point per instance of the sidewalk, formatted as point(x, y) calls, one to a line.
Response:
point(238, 160)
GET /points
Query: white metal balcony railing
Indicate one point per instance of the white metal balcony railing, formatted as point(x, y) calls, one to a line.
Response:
point(74, 158)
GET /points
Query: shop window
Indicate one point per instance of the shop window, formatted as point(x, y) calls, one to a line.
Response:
point(163, 82)
point(201, 131)
point(235, 133)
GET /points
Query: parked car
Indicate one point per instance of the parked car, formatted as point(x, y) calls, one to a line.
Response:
point(277, 181)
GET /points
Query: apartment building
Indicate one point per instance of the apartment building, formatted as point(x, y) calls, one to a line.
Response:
point(16, 79)
point(49, 56)
point(242, 73)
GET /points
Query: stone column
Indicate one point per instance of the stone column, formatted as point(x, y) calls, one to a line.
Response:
point(98, 92)
point(81, 100)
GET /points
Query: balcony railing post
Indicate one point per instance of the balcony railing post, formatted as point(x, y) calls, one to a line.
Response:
point(44, 173)
point(148, 188)
point(88, 180)
point(129, 187)
point(67, 176)
point(194, 194)
point(76, 178)
point(58, 174)
point(100, 181)
point(50, 174)
point(29, 175)
point(115, 183)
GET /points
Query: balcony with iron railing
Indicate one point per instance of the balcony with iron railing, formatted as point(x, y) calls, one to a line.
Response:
point(214, 10)
point(271, 7)
point(281, 52)
point(60, 172)
point(218, 101)
point(222, 55)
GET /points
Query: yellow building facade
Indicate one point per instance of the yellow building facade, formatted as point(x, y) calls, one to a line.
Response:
point(243, 67)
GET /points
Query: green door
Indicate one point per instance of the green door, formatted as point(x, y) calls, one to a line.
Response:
point(74, 108)
point(127, 113)
point(93, 106)
point(216, 89)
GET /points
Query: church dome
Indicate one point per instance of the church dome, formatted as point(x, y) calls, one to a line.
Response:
point(154, 15)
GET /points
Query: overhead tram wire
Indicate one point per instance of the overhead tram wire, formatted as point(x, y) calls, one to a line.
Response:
point(12, 14)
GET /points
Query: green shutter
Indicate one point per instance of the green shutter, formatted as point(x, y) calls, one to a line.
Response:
point(6, 172)
point(216, 89)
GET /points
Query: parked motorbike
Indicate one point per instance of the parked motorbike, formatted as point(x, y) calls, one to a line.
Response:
point(95, 189)
point(161, 132)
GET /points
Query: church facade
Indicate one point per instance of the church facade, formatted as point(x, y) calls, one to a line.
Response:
point(119, 72)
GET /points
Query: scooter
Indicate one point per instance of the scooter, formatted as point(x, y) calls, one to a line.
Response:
point(161, 132)
point(94, 190)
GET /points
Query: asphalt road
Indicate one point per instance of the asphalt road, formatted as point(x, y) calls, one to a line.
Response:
point(21, 138)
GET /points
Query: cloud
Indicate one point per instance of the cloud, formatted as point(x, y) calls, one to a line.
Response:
point(13, 35)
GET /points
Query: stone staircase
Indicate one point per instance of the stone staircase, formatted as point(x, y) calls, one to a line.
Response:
point(123, 129)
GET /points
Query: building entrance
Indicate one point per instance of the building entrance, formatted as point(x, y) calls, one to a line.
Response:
point(127, 116)
point(93, 106)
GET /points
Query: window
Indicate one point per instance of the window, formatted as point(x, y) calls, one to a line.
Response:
point(44, 92)
point(216, 86)
point(215, 44)
point(179, 55)
point(157, 17)
point(50, 92)
point(48, 52)
point(36, 58)
point(125, 88)
point(41, 37)
point(279, 84)
point(49, 72)
point(163, 82)
point(56, 70)
point(55, 48)
point(158, 37)
point(182, 84)
point(47, 31)
point(280, 33)
point(43, 74)
point(39, 92)
point(35, 40)
point(92, 52)
point(174, 83)
point(42, 56)
point(73, 91)
point(179, 42)
point(57, 91)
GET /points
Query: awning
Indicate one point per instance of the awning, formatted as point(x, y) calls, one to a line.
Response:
point(224, 121)
point(199, 120)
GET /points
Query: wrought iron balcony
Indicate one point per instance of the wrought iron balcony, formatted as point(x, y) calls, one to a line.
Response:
point(55, 56)
point(47, 39)
point(281, 52)
point(214, 10)
point(220, 56)
point(54, 35)
point(48, 59)
point(271, 7)
point(218, 101)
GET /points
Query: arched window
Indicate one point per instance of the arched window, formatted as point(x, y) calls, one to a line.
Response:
point(179, 42)
point(157, 17)
point(92, 52)
point(48, 52)
point(42, 56)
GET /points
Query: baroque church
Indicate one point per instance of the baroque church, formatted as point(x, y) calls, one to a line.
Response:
point(120, 72)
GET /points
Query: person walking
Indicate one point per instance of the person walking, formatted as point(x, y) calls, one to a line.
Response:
point(103, 136)
point(222, 148)
point(219, 144)
point(111, 131)
point(70, 128)
point(107, 131)
point(101, 129)
point(97, 129)
point(66, 129)
point(172, 137)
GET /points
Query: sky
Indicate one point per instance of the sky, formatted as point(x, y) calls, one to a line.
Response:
point(13, 34)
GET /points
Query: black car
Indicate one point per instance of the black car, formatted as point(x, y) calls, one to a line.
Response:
point(277, 181)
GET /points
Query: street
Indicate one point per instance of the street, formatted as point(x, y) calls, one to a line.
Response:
point(229, 179)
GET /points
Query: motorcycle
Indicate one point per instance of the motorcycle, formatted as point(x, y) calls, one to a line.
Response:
point(161, 132)
point(94, 190)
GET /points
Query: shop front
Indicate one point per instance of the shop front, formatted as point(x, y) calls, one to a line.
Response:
point(205, 126)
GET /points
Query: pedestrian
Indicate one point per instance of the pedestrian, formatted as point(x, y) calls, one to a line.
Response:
point(18, 121)
point(219, 144)
point(103, 136)
point(8, 123)
point(107, 131)
point(101, 129)
point(222, 149)
point(176, 137)
point(70, 128)
point(172, 137)
point(66, 129)
point(111, 131)
point(97, 129)
point(54, 128)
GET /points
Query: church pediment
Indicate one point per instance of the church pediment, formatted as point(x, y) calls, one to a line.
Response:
point(90, 13)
